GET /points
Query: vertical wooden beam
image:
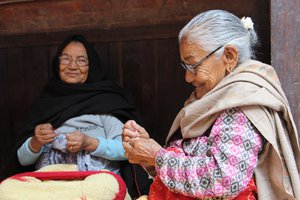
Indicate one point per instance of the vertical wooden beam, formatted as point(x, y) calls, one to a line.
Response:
point(285, 50)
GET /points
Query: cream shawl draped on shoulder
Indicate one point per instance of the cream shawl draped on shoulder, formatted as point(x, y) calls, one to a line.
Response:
point(255, 88)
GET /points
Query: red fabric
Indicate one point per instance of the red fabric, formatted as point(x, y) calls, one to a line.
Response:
point(158, 191)
point(250, 193)
point(73, 175)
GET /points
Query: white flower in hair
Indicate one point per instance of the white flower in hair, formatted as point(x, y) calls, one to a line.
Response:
point(247, 22)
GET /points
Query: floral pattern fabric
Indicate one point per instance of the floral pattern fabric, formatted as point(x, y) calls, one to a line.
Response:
point(218, 165)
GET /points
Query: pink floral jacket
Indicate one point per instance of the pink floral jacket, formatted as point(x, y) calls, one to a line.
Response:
point(220, 164)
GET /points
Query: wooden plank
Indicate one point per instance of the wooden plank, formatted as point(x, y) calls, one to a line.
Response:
point(55, 16)
point(285, 40)
point(108, 21)
point(16, 92)
point(115, 62)
point(102, 50)
point(261, 17)
point(4, 111)
point(51, 53)
point(94, 35)
point(171, 90)
point(138, 78)
point(35, 64)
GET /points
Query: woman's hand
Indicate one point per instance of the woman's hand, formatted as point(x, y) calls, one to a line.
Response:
point(139, 148)
point(43, 134)
point(78, 141)
point(141, 151)
point(132, 130)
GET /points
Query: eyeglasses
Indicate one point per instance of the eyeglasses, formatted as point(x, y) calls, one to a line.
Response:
point(80, 61)
point(193, 68)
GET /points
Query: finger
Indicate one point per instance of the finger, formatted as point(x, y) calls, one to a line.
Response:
point(133, 142)
point(129, 133)
point(143, 132)
point(74, 135)
point(139, 128)
point(127, 147)
point(70, 136)
point(128, 125)
point(72, 149)
point(132, 159)
point(47, 132)
point(126, 139)
point(129, 152)
point(134, 125)
point(72, 143)
point(46, 141)
point(47, 137)
point(46, 126)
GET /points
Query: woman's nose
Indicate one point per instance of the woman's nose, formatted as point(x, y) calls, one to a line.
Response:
point(73, 65)
point(189, 76)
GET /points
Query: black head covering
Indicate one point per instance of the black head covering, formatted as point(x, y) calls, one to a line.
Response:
point(60, 101)
point(96, 72)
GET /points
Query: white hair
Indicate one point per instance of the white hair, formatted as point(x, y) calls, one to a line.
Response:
point(216, 28)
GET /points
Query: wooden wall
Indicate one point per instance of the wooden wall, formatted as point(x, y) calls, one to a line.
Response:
point(137, 41)
point(285, 50)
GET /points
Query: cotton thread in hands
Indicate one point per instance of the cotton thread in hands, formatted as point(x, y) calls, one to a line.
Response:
point(247, 22)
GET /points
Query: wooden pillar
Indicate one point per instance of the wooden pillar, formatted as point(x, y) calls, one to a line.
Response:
point(285, 49)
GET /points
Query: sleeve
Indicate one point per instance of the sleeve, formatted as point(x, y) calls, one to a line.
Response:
point(220, 165)
point(111, 147)
point(26, 156)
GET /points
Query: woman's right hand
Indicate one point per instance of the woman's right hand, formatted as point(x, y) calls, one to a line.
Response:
point(133, 130)
point(43, 134)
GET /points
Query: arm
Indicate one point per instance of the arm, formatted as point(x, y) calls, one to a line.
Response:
point(26, 156)
point(31, 149)
point(110, 147)
point(219, 165)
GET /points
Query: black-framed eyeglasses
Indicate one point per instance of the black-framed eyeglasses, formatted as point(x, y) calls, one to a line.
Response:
point(193, 68)
point(80, 61)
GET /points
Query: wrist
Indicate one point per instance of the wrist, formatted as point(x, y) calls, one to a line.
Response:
point(156, 154)
point(91, 144)
point(34, 145)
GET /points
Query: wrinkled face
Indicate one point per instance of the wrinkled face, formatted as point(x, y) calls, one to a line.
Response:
point(73, 65)
point(208, 74)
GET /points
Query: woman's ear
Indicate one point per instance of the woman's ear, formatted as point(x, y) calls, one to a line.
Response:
point(231, 55)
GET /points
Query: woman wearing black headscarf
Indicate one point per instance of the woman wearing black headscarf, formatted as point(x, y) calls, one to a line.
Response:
point(78, 118)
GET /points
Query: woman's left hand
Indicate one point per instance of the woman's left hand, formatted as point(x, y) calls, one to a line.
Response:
point(78, 141)
point(141, 151)
point(75, 141)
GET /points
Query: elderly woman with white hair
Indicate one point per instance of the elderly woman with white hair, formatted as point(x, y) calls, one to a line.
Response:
point(235, 137)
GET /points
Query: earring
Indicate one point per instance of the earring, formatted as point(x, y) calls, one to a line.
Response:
point(229, 70)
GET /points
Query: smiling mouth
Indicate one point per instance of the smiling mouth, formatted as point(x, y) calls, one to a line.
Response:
point(197, 86)
point(72, 74)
